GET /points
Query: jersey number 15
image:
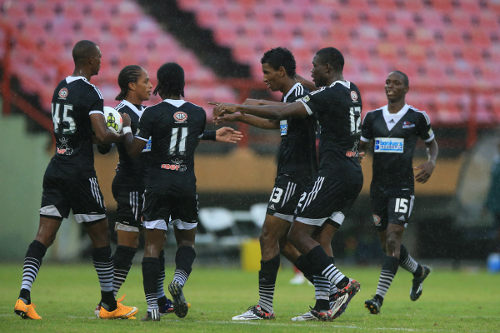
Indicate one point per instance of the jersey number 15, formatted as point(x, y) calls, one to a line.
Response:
point(64, 123)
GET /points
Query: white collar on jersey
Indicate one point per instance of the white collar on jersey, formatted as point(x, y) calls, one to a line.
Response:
point(291, 90)
point(175, 102)
point(133, 107)
point(70, 78)
point(392, 119)
point(345, 83)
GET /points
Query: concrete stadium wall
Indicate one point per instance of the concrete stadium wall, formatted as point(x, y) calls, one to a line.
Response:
point(23, 158)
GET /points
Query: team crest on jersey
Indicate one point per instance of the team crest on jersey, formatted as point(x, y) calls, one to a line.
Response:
point(354, 96)
point(180, 117)
point(63, 93)
point(407, 124)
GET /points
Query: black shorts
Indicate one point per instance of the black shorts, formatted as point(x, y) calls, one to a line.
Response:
point(285, 196)
point(129, 205)
point(327, 195)
point(390, 205)
point(160, 209)
point(82, 195)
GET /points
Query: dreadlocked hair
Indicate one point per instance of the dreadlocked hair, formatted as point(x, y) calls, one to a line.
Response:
point(170, 80)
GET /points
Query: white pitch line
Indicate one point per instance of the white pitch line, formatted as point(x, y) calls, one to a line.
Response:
point(274, 324)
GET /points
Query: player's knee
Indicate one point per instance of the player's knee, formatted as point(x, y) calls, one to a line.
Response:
point(392, 245)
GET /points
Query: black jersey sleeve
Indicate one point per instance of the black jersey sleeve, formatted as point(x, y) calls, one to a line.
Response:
point(367, 127)
point(96, 103)
point(209, 135)
point(424, 129)
point(314, 101)
point(146, 125)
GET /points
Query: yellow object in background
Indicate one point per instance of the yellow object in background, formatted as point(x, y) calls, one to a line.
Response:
point(250, 255)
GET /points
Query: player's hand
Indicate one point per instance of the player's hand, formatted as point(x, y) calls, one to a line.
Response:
point(126, 119)
point(223, 108)
point(424, 171)
point(228, 134)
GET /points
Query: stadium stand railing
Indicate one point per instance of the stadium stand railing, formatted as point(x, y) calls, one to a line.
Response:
point(450, 52)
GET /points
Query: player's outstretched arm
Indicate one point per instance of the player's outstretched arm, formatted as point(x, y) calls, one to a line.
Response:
point(248, 119)
point(275, 112)
point(425, 169)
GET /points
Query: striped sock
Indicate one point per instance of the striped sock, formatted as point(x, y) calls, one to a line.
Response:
point(267, 281)
point(32, 262)
point(322, 292)
point(180, 276)
point(334, 275)
point(406, 261)
point(150, 272)
point(122, 261)
point(184, 258)
point(389, 270)
point(103, 265)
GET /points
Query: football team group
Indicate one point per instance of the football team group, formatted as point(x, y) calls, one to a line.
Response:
point(155, 183)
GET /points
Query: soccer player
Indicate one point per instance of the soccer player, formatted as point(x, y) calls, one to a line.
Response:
point(70, 181)
point(296, 167)
point(128, 184)
point(175, 127)
point(337, 106)
point(394, 129)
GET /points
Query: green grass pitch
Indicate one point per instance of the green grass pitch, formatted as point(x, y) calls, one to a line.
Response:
point(65, 295)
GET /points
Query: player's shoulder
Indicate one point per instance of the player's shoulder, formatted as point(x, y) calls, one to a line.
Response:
point(419, 113)
point(298, 90)
point(91, 87)
point(378, 112)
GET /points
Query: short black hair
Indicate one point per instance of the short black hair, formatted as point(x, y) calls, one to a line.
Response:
point(406, 81)
point(333, 57)
point(128, 74)
point(280, 56)
point(83, 50)
point(170, 80)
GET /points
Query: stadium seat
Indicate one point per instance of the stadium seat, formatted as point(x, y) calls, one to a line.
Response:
point(258, 213)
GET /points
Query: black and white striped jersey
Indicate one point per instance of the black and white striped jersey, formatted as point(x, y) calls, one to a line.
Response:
point(394, 138)
point(175, 128)
point(131, 170)
point(338, 110)
point(74, 100)
point(297, 151)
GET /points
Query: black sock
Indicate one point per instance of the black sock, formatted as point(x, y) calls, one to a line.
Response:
point(32, 262)
point(104, 267)
point(184, 259)
point(267, 281)
point(150, 272)
point(303, 265)
point(407, 262)
point(160, 293)
point(389, 270)
point(122, 261)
